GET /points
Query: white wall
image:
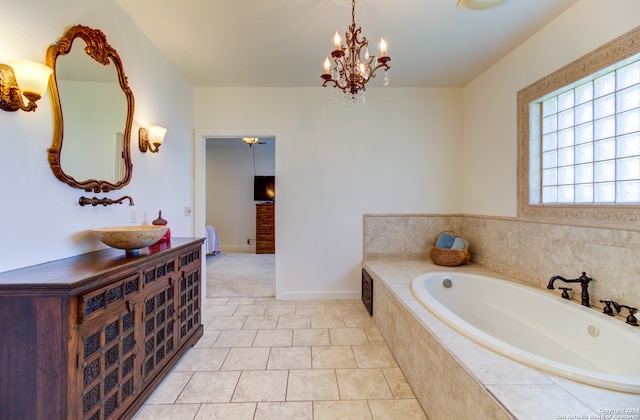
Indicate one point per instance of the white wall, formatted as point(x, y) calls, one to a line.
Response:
point(399, 153)
point(490, 136)
point(229, 189)
point(40, 218)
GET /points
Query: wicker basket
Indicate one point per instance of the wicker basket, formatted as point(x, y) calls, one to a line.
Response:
point(450, 257)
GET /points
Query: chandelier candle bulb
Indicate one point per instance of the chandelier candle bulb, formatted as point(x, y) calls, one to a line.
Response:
point(336, 41)
point(327, 65)
point(383, 48)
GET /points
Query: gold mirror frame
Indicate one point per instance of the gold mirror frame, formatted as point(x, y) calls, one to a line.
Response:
point(99, 49)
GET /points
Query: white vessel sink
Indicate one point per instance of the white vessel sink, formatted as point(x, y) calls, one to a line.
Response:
point(130, 238)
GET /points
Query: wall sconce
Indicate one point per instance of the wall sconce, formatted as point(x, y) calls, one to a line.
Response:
point(151, 138)
point(22, 77)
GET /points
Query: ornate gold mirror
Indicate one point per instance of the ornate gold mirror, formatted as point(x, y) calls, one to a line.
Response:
point(91, 144)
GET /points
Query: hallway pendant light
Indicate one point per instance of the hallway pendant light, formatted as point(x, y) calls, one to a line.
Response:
point(250, 140)
point(351, 67)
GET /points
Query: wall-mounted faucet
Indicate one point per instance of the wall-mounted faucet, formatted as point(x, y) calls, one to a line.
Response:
point(584, 283)
point(85, 201)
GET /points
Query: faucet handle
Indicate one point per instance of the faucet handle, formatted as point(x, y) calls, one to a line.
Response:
point(608, 309)
point(565, 294)
point(631, 319)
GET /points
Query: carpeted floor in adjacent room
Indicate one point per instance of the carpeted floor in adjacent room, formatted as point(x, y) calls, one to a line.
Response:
point(241, 275)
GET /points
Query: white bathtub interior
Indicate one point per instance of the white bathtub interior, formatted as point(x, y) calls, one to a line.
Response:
point(535, 327)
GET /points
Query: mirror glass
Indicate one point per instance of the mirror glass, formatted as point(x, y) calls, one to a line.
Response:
point(93, 112)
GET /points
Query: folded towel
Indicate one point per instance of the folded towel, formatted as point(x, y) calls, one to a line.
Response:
point(458, 243)
point(444, 241)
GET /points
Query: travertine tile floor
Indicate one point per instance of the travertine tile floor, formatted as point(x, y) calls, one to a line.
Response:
point(265, 359)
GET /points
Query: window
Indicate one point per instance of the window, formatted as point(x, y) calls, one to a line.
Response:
point(579, 140)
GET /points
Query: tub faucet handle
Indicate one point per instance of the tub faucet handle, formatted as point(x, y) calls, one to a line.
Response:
point(631, 319)
point(608, 309)
point(565, 293)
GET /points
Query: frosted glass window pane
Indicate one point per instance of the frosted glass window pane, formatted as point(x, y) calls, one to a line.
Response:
point(586, 147)
point(604, 171)
point(565, 156)
point(549, 194)
point(628, 99)
point(584, 173)
point(628, 168)
point(549, 124)
point(549, 142)
point(628, 75)
point(584, 93)
point(605, 106)
point(565, 194)
point(565, 119)
point(604, 85)
point(550, 177)
point(584, 133)
point(604, 193)
point(604, 149)
point(565, 138)
point(550, 159)
point(565, 100)
point(604, 128)
point(584, 153)
point(565, 175)
point(550, 106)
point(628, 145)
point(584, 193)
point(584, 113)
point(629, 122)
point(628, 192)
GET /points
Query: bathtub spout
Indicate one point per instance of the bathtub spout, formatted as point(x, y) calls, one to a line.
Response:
point(584, 283)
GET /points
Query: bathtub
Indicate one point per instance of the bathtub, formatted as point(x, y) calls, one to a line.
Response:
point(536, 328)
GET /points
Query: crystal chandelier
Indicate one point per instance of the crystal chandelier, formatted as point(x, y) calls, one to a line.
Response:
point(353, 67)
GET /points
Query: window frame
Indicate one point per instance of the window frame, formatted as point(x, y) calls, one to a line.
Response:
point(624, 216)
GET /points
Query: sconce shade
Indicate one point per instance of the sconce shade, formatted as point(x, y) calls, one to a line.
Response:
point(151, 138)
point(32, 78)
point(156, 134)
point(22, 78)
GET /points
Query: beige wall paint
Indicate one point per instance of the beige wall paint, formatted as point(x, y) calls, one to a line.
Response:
point(397, 153)
point(490, 136)
point(40, 218)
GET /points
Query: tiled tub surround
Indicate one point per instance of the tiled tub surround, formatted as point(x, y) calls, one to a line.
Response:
point(453, 377)
point(526, 251)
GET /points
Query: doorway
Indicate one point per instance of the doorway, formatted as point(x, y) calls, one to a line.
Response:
point(202, 138)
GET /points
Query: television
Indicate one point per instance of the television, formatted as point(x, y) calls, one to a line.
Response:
point(264, 188)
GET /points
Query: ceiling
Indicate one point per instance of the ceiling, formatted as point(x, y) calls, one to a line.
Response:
point(283, 43)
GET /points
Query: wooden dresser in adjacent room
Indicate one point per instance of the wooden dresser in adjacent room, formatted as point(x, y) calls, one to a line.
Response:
point(265, 228)
point(90, 337)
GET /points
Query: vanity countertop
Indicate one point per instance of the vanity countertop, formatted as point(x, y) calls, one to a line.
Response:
point(70, 272)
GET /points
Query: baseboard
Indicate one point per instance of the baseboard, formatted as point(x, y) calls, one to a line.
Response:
point(351, 295)
point(230, 249)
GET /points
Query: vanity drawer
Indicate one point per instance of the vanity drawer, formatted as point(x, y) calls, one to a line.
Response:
point(118, 292)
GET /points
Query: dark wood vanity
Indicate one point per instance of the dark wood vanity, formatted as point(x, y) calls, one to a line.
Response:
point(90, 337)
